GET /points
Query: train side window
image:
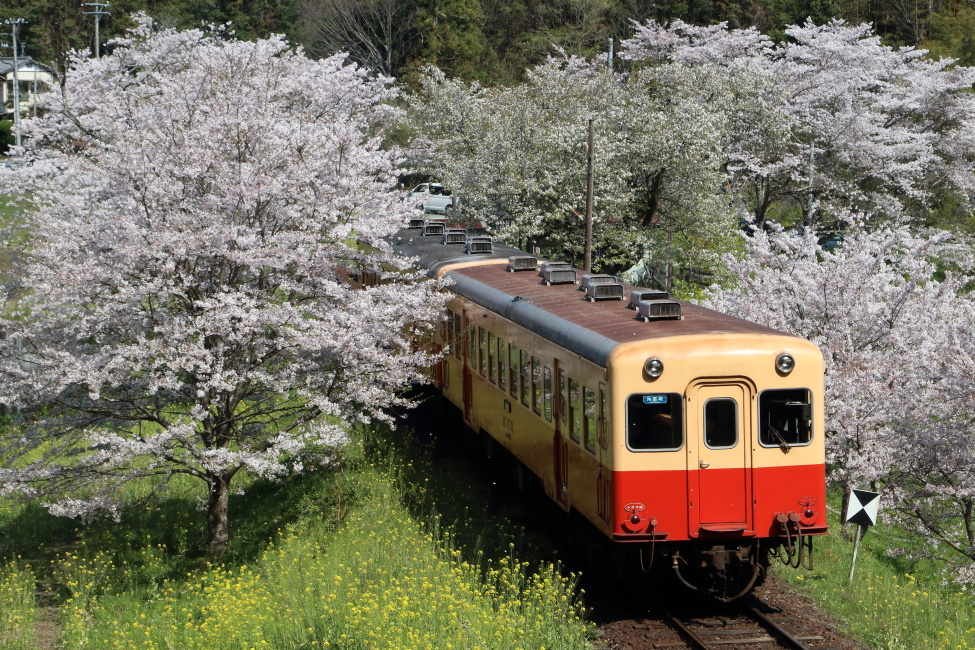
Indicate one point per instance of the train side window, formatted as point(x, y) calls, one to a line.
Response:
point(547, 392)
point(563, 410)
point(721, 423)
point(502, 365)
point(589, 425)
point(785, 417)
point(513, 369)
point(536, 385)
point(575, 410)
point(492, 352)
point(472, 346)
point(482, 351)
point(525, 377)
point(458, 334)
point(603, 420)
point(448, 330)
point(655, 422)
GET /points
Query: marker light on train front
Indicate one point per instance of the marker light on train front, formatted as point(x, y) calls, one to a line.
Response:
point(654, 367)
point(785, 363)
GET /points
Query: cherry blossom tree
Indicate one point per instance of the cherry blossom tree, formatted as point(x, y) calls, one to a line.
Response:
point(832, 112)
point(896, 333)
point(520, 156)
point(192, 310)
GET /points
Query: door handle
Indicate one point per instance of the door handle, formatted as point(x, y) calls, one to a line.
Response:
point(703, 464)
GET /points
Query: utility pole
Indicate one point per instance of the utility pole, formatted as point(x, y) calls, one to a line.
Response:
point(15, 24)
point(587, 265)
point(609, 56)
point(98, 11)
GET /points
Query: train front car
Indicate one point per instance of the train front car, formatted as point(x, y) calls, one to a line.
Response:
point(719, 451)
point(688, 439)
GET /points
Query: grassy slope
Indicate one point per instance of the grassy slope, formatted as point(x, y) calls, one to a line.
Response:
point(890, 603)
point(354, 559)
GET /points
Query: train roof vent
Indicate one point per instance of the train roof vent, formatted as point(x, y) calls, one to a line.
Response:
point(416, 222)
point(559, 275)
point(433, 229)
point(659, 310)
point(604, 291)
point(552, 265)
point(479, 245)
point(522, 263)
point(639, 295)
point(595, 278)
point(454, 236)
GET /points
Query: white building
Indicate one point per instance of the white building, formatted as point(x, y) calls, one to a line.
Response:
point(33, 78)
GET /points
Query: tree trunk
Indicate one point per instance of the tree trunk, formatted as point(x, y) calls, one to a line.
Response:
point(217, 530)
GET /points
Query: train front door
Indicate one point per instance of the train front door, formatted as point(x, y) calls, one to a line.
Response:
point(719, 456)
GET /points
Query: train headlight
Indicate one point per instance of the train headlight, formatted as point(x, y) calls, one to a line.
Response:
point(785, 363)
point(654, 367)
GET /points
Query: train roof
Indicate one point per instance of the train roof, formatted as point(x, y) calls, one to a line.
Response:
point(559, 313)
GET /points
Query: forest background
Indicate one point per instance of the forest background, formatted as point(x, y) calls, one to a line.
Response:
point(489, 41)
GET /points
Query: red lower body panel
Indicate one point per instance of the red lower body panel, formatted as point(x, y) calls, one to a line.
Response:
point(677, 505)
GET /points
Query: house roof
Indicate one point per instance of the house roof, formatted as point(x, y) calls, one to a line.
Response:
point(24, 64)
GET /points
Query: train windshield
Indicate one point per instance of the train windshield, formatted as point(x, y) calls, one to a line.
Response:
point(785, 418)
point(655, 422)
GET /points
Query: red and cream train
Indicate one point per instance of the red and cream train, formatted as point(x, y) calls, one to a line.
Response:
point(684, 436)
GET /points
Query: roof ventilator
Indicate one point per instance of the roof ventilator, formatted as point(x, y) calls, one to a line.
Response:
point(659, 310)
point(479, 245)
point(552, 265)
point(604, 291)
point(639, 295)
point(416, 222)
point(454, 236)
point(595, 278)
point(522, 263)
point(433, 230)
point(558, 275)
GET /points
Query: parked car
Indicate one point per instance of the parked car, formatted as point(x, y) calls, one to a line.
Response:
point(433, 197)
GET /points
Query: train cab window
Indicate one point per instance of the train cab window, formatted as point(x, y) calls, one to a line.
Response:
point(575, 410)
point(525, 377)
point(458, 335)
point(721, 423)
point(547, 392)
point(536, 385)
point(513, 369)
point(589, 424)
point(785, 418)
point(492, 352)
point(482, 351)
point(502, 365)
point(655, 422)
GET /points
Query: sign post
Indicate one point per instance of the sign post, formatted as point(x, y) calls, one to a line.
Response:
point(862, 511)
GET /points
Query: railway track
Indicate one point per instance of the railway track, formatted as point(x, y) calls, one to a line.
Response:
point(744, 627)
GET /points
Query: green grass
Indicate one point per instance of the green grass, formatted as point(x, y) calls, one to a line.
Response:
point(890, 603)
point(18, 606)
point(357, 558)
